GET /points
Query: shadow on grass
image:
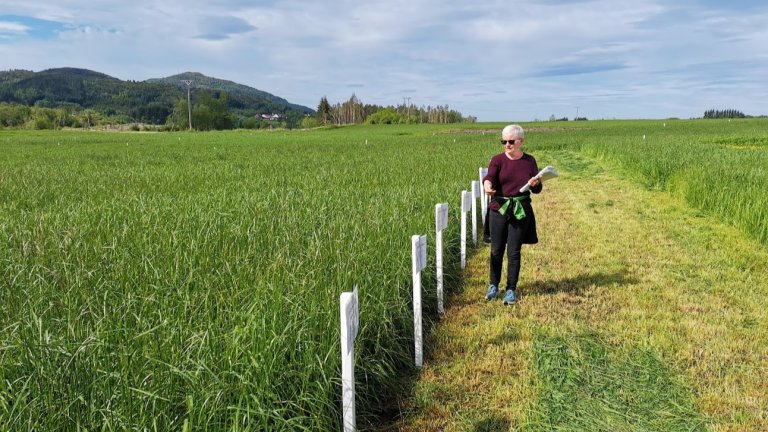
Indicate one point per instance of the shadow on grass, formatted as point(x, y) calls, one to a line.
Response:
point(580, 283)
point(492, 424)
point(508, 336)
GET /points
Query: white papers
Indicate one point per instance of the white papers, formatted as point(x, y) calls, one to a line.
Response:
point(547, 173)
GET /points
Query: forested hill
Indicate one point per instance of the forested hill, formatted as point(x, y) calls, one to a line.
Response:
point(234, 89)
point(150, 101)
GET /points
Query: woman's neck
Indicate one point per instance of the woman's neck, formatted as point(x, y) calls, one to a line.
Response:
point(515, 155)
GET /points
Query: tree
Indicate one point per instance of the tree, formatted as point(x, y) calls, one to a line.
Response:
point(89, 117)
point(212, 111)
point(43, 118)
point(310, 122)
point(178, 120)
point(386, 116)
point(208, 113)
point(249, 123)
point(13, 115)
point(323, 111)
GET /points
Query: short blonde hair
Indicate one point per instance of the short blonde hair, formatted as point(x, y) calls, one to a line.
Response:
point(514, 130)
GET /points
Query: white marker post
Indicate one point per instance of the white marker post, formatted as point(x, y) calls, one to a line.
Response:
point(466, 205)
point(441, 223)
point(419, 255)
point(350, 322)
point(483, 196)
point(475, 195)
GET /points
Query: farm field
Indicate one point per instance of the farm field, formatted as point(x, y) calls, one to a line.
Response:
point(169, 281)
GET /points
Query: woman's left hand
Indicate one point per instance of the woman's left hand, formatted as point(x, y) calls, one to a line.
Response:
point(534, 182)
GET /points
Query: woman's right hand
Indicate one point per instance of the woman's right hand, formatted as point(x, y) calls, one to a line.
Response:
point(489, 190)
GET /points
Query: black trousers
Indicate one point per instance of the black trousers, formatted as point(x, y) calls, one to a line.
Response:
point(506, 233)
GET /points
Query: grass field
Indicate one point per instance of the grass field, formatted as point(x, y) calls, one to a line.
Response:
point(163, 281)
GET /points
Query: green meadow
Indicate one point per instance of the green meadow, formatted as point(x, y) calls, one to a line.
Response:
point(169, 281)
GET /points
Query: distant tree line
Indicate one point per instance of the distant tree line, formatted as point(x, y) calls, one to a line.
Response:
point(353, 111)
point(727, 113)
point(15, 115)
point(210, 111)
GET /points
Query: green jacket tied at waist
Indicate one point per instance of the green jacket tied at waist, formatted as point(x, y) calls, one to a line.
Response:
point(518, 211)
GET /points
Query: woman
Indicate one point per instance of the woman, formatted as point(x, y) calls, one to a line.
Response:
point(511, 219)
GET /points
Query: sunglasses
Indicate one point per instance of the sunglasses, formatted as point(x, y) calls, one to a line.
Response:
point(508, 142)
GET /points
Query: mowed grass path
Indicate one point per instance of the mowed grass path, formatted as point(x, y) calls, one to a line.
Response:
point(637, 313)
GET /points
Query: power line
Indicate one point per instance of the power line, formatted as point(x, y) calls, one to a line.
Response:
point(189, 103)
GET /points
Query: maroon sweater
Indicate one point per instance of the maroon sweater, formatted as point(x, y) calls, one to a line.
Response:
point(508, 176)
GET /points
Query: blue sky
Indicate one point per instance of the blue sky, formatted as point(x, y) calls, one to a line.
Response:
point(497, 60)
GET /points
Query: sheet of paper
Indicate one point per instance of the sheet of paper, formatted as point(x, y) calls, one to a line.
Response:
point(548, 172)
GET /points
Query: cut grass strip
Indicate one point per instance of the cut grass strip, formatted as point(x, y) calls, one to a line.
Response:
point(585, 384)
point(640, 271)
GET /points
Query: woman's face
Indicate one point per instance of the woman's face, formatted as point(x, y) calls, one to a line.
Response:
point(511, 144)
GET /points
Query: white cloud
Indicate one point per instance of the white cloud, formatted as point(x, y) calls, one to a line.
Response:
point(13, 27)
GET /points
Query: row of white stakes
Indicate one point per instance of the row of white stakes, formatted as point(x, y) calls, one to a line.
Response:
point(349, 301)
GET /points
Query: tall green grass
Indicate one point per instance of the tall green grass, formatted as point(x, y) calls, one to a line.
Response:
point(717, 166)
point(162, 281)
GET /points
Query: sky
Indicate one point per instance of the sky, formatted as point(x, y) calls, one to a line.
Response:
point(495, 60)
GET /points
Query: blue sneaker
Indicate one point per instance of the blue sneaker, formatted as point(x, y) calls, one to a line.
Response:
point(510, 297)
point(493, 292)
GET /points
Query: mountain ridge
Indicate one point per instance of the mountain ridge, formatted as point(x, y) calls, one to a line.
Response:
point(219, 84)
point(151, 100)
